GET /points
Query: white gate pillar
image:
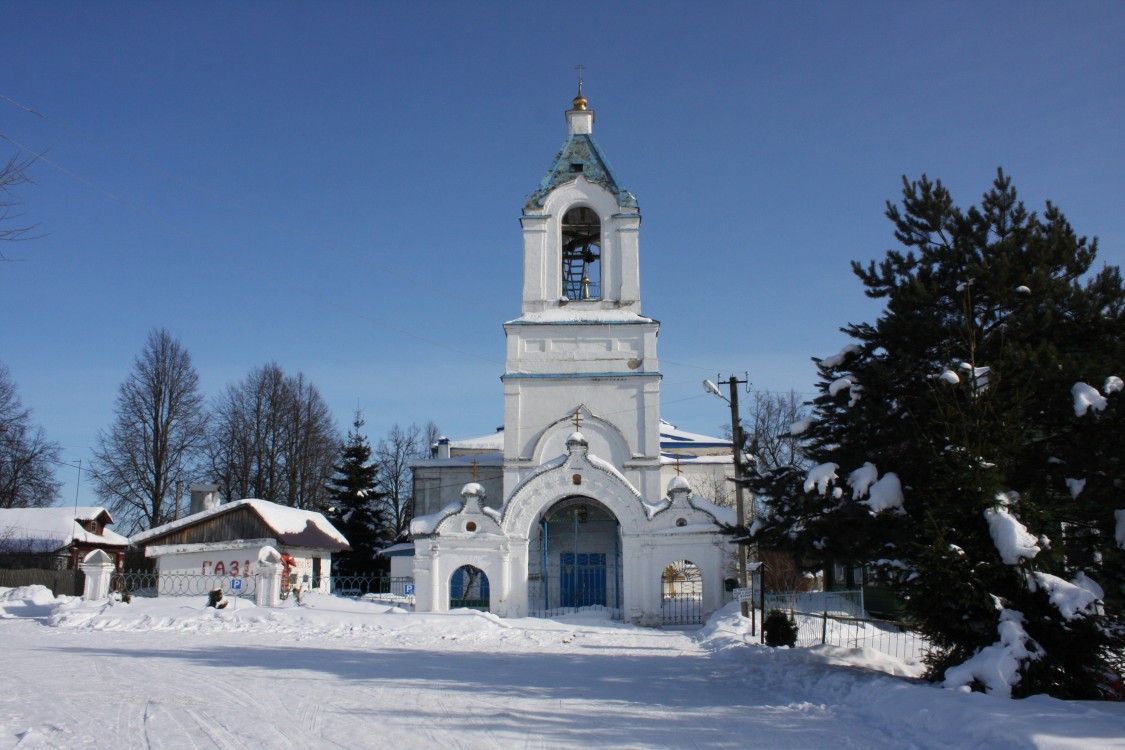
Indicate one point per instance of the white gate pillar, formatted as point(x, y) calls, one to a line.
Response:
point(98, 567)
point(267, 571)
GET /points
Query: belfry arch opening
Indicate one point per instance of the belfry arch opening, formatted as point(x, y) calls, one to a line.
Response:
point(581, 253)
point(574, 562)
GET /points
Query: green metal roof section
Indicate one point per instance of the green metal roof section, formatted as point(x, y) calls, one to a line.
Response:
point(580, 155)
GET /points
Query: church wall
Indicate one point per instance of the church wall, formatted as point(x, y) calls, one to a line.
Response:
point(581, 347)
point(438, 483)
point(652, 553)
point(626, 401)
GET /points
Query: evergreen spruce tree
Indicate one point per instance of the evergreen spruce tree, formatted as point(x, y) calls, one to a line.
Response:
point(967, 444)
point(356, 510)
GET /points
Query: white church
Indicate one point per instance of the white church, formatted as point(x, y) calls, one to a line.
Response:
point(584, 500)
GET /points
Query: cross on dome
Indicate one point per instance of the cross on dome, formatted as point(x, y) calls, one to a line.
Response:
point(580, 101)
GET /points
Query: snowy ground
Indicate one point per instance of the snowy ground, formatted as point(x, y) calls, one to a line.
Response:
point(170, 673)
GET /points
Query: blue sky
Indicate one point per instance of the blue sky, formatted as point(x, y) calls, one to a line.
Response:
point(336, 186)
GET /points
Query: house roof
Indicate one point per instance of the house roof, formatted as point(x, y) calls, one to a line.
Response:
point(672, 438)
point(494, 441)
point(291, 526)
point(48, 529)
point(494, 459)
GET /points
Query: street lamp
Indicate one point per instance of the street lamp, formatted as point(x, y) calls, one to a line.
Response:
point(740, 506)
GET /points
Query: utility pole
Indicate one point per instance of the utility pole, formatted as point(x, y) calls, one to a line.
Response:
point(732, 384)
point(737, 440)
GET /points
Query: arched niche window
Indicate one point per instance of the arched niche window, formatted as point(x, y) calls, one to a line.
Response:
point(581, 250)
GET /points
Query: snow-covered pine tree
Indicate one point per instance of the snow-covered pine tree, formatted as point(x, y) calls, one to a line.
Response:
point(356, 510)
point(951, 453)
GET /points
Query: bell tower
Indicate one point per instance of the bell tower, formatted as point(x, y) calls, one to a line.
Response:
point(581, 346)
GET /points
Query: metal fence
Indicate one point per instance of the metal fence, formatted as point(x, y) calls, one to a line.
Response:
point(838, 618)
point(148, 583)
point(848, 603)
point(893, 638)
point(357, 586)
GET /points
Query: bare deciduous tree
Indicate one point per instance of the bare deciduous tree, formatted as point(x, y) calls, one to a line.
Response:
point(27, 477)
point(312, 446)
point(768, 430)
point(396, 481)
point(154, 445)
point(14, 172)
point(273, 438)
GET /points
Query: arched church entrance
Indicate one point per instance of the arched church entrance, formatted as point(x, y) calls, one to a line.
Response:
point(575, 563)
point(468, 588)
point(681, 600)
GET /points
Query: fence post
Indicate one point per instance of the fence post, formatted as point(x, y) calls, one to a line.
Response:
point(98, 567)
point(824, 628)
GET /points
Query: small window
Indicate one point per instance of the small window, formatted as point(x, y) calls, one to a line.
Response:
point(576, 167)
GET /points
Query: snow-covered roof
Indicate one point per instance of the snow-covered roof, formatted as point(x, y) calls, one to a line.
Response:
point(494, 441)
point(480, 460)
point(673, 438)
point(397, 549)
point(292, 526)
point(425, 525)
point(695, 459)
point(48, 529)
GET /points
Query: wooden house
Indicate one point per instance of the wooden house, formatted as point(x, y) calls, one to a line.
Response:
point(57, 538)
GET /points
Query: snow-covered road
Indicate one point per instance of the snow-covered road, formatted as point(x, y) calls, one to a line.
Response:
point(173, 674)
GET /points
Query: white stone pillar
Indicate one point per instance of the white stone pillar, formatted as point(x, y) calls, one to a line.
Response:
point(267, 577)
point(98, 567)
point(267, 584)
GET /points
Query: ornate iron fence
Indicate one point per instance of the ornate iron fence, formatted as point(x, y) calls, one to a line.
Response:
point(357, 586)
point(149, 584)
